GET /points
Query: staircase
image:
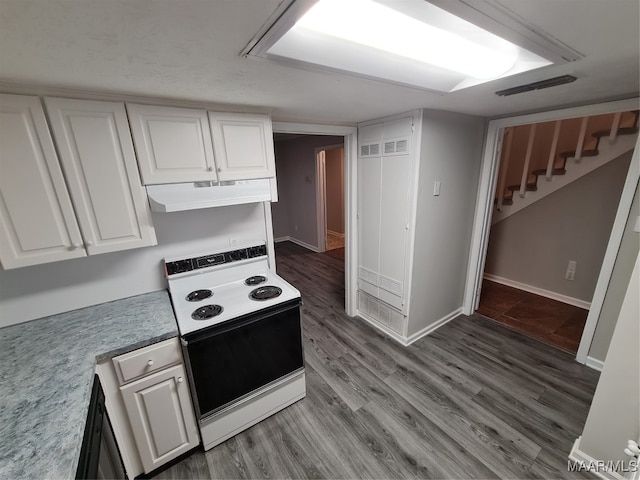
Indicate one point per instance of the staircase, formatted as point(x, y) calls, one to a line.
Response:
point(540, 158)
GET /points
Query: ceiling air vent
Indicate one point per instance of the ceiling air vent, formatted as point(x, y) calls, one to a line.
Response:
point(550, 82)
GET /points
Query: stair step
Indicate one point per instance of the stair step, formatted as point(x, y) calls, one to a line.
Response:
point(531, 187)
point(555, 171)
point(621, 131)
point(585, 153)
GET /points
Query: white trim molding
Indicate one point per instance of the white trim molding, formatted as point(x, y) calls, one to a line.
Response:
point(306, 245)
point(576, 302)
point(406, 341)
point(433, 326)
point(594, 363)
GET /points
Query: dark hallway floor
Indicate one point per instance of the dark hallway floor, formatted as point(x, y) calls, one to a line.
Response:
point(552, 322)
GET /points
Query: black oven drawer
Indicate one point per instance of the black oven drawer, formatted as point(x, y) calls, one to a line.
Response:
point(229, 361)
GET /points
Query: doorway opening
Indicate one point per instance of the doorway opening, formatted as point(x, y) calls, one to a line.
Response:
point(331, 199)
point(559, 186)
point(304, 214)
point(492, 180)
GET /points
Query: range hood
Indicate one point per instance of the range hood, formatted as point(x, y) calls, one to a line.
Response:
point(175, 197)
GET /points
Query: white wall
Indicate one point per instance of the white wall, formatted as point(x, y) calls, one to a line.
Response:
point(41, 290)
point(533, 246)
point(614, 416)
point(622, 270)
point(295, 214)
point(451, 153)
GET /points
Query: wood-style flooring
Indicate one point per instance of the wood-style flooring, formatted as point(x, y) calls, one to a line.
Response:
point(552, 322)
point(471, 400)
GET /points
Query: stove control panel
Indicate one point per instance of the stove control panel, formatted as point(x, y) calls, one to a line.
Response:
point(190, 264)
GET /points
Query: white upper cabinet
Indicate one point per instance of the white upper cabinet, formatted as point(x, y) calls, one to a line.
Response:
point(243, 145)
point(96, 152)
point(37, 221)
point(173, 144)
point(177, 145)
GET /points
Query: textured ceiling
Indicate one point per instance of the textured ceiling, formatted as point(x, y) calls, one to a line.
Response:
point(189, 50)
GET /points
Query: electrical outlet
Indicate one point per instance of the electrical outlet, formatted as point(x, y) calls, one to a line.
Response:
point(571, 270)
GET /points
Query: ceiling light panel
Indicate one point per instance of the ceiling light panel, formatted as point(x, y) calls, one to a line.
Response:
point(410, 42)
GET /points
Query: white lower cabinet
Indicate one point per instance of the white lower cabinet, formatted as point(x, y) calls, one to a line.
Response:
point(161, 416)
point(149, 405)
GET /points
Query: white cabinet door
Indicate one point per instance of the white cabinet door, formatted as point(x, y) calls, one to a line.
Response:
point(161, 415)
point(37, 221)
point(243, 145)
point(96, 151)
point(173, 144)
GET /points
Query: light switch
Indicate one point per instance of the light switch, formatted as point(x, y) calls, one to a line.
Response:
point(436, 188)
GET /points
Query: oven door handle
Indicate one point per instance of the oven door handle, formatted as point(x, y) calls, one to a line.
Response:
point(202, 335)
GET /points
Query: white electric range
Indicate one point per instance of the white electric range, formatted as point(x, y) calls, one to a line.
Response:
point(241, 336)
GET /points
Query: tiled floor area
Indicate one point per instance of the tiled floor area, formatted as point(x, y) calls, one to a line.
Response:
point(552, 322)
point(334, 241)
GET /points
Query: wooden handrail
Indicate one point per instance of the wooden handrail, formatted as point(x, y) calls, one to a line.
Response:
point(527, 160)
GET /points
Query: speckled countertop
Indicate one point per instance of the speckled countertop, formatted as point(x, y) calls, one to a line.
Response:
point(46, 375)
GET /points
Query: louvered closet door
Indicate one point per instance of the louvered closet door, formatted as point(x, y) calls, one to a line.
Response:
point(394, 214)
point(394, 210)
point(369, 223)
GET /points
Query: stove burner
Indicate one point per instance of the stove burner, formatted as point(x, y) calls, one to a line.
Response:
point(206, 312)
point(198, 295)
point(265, 293)
point(256, 280)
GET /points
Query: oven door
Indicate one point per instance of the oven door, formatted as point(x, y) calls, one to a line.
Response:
point(230, 362)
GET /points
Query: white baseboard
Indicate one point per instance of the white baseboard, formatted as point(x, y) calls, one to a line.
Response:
point(383, 328)
point(335, 234)
point(406, 341)
point(579, 456)
point(576, 302)
point(594, 363)
point(433, 326)
point(306, 245)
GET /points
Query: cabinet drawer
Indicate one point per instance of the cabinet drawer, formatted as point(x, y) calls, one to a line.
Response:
point(147, 360)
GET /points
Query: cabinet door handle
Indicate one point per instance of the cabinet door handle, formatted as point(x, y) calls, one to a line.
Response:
point(180, 379)
point(76, 245)
point(210, 169)
point(150, 363)
point(89, 243)
point(219, 169)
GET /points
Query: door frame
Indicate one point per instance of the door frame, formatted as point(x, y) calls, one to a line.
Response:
point(321, 193)
point(484, 209)
point(350, 145)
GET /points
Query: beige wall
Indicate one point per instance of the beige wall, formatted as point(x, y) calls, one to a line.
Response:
point(450, 154)
point(535, 245)
point(295, 214)
point(334, 172)
point(623, 267)
point(614, 416)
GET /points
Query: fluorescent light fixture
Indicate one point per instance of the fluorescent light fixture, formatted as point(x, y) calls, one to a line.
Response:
point(409, 42)
point(372, 24)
